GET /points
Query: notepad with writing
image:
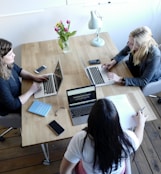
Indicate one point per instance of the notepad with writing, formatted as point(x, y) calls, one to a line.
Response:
point(40, 108)
point(125, 111)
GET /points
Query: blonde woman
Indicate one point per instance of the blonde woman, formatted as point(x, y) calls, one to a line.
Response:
point(144, 60)
point(11, 98)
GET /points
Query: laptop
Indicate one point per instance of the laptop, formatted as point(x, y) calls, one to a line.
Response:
point(52, 85)
point(81, 101)
point(98, 75)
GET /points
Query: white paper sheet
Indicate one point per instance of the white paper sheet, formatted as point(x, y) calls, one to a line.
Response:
point(125, 110)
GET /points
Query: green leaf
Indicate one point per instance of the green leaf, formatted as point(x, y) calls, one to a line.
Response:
point(60, 43)
point(72, 33)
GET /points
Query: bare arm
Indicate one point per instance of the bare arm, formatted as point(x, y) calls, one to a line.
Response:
point(34, 88)
point(29, 76)
point(139, 131)
point(66, 167)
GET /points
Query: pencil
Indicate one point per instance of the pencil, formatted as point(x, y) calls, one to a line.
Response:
point(141, 110)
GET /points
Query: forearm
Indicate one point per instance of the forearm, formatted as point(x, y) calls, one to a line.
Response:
point(24, 97)
point(27, 75)
point(139, 132)
point(34, 88)
point(122, 54)
point(66, 167)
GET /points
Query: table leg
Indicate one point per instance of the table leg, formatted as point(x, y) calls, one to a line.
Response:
point(45, 149)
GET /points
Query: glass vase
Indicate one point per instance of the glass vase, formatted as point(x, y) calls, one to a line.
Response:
point(65, 46)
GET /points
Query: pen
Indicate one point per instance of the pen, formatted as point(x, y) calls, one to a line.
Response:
point(141, 110)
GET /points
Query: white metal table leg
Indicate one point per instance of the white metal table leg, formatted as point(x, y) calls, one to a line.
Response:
point(45, 149)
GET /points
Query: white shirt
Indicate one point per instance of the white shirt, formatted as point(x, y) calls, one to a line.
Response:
point(74, 152)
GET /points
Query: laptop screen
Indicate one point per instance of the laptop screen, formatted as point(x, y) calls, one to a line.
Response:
point(58, 76)
point(81, 95)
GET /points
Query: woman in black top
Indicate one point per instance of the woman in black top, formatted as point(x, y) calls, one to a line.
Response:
point(11, 98)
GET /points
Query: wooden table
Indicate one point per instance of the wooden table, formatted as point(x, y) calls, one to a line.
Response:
point(35, 128)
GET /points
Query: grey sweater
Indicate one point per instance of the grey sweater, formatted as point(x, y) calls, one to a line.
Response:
point(149, 70)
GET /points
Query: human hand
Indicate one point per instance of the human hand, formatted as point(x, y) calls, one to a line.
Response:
point(40, 78)
point(35, 87)
point(141, 118)
point(108, 66)
point(114, 77)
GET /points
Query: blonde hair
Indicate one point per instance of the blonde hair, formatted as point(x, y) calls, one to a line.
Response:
point(144, 40)
point(5, 47)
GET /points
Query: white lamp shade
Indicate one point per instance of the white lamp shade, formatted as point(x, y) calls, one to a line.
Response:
point(95, 21)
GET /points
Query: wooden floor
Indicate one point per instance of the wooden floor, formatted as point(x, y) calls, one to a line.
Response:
point(28, 160)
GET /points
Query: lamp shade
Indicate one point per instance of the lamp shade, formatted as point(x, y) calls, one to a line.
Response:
point(95, 21)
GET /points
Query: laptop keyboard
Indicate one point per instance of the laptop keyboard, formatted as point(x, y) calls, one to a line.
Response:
point(81, 110)
point(96, 75)
point(49, 86)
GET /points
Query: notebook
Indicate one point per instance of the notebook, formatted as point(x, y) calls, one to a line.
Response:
point(98, 75)
point(51, 86)
point(81, 101)
point(39, 108)
point(125, 111)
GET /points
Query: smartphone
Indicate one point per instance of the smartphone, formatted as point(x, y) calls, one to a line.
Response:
point(41, 68)
point(56, 127)
point(95, 61)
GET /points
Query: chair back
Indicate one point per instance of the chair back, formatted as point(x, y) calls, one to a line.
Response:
point(11, 120)
point(153, 87)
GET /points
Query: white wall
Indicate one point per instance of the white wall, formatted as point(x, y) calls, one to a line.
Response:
point(119, 18)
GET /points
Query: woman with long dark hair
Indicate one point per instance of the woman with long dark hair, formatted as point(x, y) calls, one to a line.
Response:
point(103, 146)
point(11, 98)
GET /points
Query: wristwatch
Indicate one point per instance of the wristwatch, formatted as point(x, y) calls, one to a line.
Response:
point(123, 81)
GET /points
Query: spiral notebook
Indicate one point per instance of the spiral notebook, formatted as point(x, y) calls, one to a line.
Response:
point(40, 108)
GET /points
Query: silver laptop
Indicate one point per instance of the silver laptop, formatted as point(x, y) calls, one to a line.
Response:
point(98, 75)
point(52, 85)
point(81, 101)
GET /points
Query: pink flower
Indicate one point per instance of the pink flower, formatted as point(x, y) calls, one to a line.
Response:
point(66, 29)
point(63, 32)
point(56, 29)
point(68, 21)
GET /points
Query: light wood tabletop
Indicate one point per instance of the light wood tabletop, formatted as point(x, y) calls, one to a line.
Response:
point(35, 128)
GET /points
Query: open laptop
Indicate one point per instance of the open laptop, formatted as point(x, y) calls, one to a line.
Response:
point(81, 101)
point(52, 85)
point(97, 74)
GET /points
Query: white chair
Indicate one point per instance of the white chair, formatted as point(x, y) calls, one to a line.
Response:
point(153, 88)
point(10, 121)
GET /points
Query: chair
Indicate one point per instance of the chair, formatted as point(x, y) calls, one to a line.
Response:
point(10, 121)
point(153, 87)
point(79, 168)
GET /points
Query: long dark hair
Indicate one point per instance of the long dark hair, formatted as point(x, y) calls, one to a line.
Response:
point(111, 144)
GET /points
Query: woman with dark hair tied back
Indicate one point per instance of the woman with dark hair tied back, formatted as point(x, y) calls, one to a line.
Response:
point(103, 146)
point(11, 98)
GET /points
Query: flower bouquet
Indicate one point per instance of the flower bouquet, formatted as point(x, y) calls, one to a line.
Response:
point(64, 34)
